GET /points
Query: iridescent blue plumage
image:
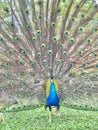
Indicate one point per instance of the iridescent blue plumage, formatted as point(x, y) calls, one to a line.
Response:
point(53, 99)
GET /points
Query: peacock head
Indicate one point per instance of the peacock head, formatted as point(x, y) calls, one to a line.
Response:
point(51, 76)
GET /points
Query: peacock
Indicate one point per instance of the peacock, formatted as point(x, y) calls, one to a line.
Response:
point(48, 55)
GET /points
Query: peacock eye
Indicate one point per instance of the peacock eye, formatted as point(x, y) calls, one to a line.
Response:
point(64, 53)
point(96, 65)
point(95, 6)
point(70, 65)
point(27, 12)
point(60, 46)
point(88, 41)
point(38, 32)
point(23, 83)
point(33, 65)
point(80, 29)
point(8, 74)
point(53, 25)
point(6, 10)
point(38, 54)
point(17, 39)
point(10, 52)
point(94, 55)
point(12, 24)
point(12, 83)
point(39, 3)
point(50, 52)
point(83, 65)
point(82, 73)
point(54, 39)
point(58, 61)
point(24, 52)
point(7, 64)
point(21, 62)
point(70, 74)
point(43, 46)
point(73, 20)
point(79, 52)
point(44, 62)
point(28, 27)
point(66, 33)
point(40, 17)
point(82, 16)
point(77, 6)
point(71, 41)
point(95, 29)
point(34, 40)
point(63, 0)
point(58, 11)
point(1, 40)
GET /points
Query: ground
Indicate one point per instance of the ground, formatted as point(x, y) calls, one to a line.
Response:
point(37, 119)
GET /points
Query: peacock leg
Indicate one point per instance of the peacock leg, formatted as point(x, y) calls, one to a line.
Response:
point(57, 111)
point(50, 114)
point(3, 118)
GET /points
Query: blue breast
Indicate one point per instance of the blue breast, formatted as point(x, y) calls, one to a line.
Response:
point(53, 99)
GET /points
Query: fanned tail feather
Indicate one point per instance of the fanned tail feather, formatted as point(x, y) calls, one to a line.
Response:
point(40, 36)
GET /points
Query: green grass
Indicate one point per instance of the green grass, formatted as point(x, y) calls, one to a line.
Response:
point(37, 119)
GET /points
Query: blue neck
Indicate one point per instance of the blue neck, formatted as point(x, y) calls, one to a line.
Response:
point(52, 89)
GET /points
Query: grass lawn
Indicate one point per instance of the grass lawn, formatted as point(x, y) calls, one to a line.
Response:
point(37, 119)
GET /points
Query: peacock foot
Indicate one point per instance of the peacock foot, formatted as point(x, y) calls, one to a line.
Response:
point(3, 118)
point(49, 121)
point(58, 113)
